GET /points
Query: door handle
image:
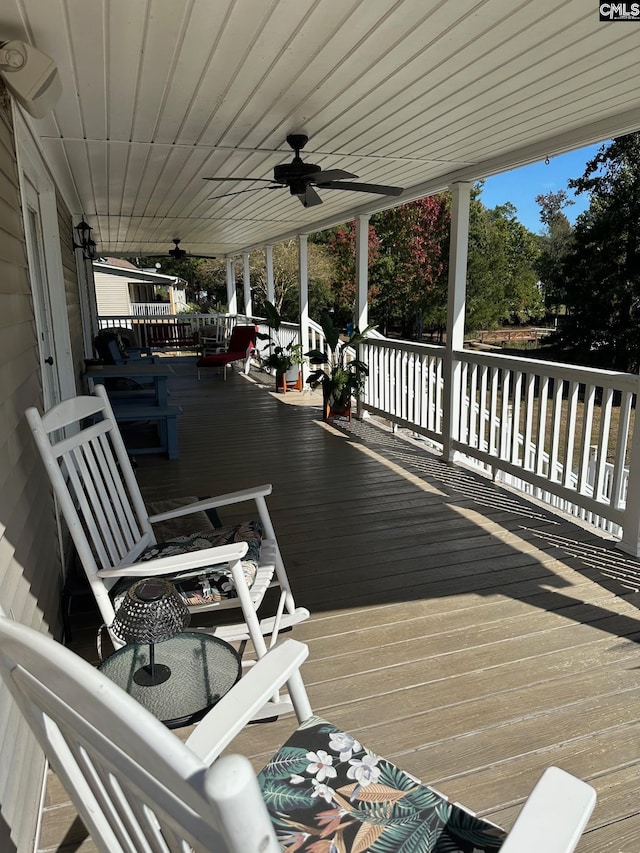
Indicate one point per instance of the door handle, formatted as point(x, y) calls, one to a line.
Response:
point(49, 360)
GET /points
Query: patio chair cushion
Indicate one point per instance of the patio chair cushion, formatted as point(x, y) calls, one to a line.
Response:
point(209, 584)
point(325, 791)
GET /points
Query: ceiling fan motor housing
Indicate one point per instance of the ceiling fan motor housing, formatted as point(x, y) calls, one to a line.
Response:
point(295, 171)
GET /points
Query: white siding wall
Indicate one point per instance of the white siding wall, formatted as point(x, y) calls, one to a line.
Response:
point(29, 562)
point(112, 294)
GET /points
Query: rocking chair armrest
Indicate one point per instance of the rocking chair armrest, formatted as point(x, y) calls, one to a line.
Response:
point(232, 713)
point(210, 503)
point(180, 562)
point(553, 816)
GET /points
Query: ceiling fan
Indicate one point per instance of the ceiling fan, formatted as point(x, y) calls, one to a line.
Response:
point(177, 253)
point(301, 178)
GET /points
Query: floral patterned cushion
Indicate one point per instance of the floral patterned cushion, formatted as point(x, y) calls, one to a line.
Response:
point(326, 793)
point(209, 584)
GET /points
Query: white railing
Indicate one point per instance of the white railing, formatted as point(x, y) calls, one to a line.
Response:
point(172, 330)
point(573, 422)
point(150, 309)
point(556, 432)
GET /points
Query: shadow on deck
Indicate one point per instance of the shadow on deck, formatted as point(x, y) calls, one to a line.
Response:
point(458, 629)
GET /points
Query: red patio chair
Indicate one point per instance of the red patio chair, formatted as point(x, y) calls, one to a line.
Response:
point(242, 346)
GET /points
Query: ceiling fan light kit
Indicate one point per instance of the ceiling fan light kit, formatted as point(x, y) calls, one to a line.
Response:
point(301, 178)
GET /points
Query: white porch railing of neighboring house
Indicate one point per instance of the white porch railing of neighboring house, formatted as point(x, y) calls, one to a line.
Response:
point(557, 432)
point(150, 309)
point(149, 327)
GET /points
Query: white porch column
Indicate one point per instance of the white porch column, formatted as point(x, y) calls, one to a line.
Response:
point(362, 272)
point(304, 297)
point(271, 290)
point(232, 296)
point(630, 542)
point(460, 202)
point(246, 281)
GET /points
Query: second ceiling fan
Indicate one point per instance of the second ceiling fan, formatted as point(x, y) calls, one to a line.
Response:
point(302, 178)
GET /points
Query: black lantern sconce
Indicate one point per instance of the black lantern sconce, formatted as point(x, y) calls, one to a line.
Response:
point(87, 245)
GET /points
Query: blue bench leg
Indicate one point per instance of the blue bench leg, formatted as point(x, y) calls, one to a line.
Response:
point(169, 436)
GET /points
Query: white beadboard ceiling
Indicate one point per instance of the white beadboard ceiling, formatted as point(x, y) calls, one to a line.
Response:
point(159, 94)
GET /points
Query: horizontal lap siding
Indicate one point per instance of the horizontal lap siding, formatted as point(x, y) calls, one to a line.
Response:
point(112, 294)
point(29, 565)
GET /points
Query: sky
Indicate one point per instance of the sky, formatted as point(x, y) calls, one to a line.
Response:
point(521, 186)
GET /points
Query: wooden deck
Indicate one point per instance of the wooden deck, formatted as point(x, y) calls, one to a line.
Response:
point(469, 635)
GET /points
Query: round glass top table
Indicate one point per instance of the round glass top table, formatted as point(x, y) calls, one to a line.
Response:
point(203, 668)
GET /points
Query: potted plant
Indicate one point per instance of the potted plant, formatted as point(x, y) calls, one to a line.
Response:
point(342, 378)
point(285, 361)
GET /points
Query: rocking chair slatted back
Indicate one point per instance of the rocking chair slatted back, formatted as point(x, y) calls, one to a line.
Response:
point(93, 482)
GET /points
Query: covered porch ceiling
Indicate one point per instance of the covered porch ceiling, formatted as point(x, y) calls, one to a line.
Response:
point(159, 94)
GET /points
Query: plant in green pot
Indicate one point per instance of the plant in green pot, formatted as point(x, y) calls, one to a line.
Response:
point(344, 376)
point(285, 360)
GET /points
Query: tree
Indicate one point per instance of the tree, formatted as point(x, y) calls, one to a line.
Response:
point(287, 278)
point(602, 272)
point(340, 242)
point(413, 247)
point(501, 276)
point(205, 277)
point(556, 244)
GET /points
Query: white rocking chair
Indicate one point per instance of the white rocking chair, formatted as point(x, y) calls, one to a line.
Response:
point(139, 788)
point(98, 494)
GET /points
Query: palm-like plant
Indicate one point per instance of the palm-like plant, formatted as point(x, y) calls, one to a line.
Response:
point(280, 358)
point(343, 377)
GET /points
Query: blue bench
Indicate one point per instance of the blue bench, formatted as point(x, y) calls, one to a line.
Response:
point(164, 425)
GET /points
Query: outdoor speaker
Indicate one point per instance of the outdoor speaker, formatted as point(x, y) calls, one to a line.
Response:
point(31, 76)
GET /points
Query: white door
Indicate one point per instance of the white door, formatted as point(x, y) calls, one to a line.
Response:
point(41, 298)
point(46, 275)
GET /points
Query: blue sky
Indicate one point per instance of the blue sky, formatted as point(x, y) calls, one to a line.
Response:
point(521, 186)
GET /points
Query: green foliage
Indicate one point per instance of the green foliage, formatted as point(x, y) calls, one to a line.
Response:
point(342, 378)
point(286, 276)
point(206, 278)
point(555, 245)
point(280, 358)
point(501, 276)
point(410, 275)
point(408, 267)
point(600, 283)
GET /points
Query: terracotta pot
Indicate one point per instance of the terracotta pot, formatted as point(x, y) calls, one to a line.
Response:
point(336, 406)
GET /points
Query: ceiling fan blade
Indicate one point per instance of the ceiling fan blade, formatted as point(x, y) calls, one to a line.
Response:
point(381, 189)
point(330, 175)
point(268, 180)
point(310, 198)
point(239, 192)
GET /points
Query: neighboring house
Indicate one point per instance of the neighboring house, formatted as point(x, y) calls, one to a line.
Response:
point(124, 289)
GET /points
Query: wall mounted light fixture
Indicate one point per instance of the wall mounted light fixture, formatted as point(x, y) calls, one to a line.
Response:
point(87, 245)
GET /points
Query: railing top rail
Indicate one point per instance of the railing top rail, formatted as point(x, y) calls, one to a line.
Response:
point(587, 375)
point(406, 346)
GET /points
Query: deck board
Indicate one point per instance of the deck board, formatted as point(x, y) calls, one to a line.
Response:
point(459, 629)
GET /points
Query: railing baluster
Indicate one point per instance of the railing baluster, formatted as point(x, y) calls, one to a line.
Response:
point(585, 439)
point(599, 486)
point(556, 424)
point(542, 425)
